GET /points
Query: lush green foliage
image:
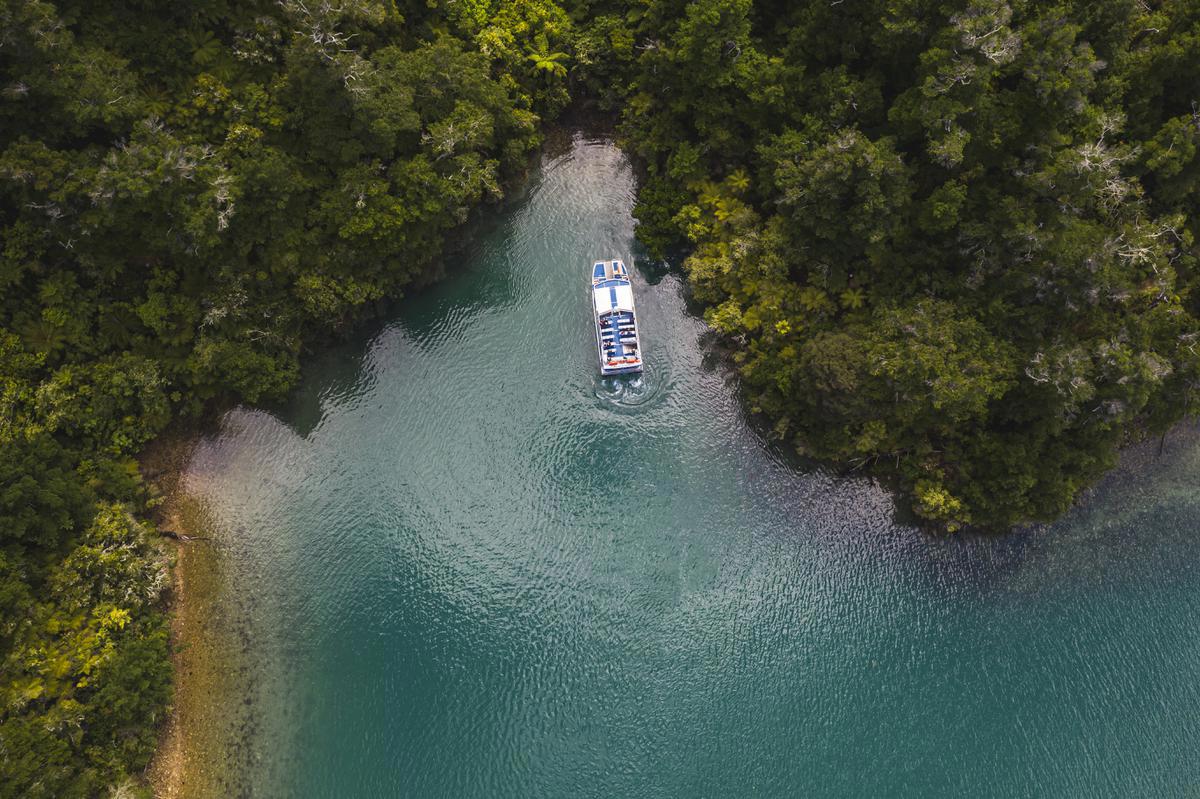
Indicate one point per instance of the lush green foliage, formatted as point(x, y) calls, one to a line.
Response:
point(188, 193)
point(953, 240)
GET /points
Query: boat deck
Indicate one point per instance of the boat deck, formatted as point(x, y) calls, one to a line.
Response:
point(606, 271)
point(617, 333)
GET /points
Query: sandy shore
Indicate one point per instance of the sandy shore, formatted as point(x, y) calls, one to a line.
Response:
point(194, 759)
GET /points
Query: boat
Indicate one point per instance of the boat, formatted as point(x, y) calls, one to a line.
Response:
point(617, 341)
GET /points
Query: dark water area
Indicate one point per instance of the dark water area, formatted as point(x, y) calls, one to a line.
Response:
point(474, 568)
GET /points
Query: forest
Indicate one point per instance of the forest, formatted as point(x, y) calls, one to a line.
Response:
point(949, 244)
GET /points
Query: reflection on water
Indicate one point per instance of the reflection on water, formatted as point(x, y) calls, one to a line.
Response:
point(475, 568)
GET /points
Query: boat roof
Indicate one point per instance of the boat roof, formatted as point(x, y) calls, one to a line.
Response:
point(612, 295)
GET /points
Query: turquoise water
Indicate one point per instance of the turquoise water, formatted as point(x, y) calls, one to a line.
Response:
point(470, 567)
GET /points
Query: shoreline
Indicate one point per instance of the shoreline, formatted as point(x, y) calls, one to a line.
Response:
point(201, 750)
point(202, 741)
point(192, 758)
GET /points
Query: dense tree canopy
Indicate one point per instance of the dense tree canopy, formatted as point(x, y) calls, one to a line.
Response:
point(951, 241)
point(188, 193)
point(954, 241)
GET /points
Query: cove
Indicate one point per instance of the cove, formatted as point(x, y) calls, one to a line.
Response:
point(467, 566)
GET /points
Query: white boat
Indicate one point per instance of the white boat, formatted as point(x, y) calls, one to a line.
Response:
point(617, 341)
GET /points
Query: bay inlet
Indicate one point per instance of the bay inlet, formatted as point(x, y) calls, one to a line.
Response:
point(469, 566)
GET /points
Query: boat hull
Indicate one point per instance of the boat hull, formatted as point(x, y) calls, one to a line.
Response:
point(618, 340)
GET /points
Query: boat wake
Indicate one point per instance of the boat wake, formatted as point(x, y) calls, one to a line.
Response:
point(628, 392)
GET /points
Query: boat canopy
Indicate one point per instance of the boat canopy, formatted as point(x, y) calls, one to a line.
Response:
point(612, 295)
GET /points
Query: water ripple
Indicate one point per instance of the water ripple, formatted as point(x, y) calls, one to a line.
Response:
point(471, 567)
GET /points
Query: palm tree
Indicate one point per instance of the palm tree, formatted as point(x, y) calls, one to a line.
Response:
point(738, 180)
point(42, 335)
point(544, 61)
point(853, 299)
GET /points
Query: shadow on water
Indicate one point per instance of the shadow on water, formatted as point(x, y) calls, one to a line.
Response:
point(652, 271)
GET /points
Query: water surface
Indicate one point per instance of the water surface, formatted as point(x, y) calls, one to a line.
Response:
point(473, 568)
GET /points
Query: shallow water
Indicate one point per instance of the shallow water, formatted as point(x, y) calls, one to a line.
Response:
point(470, 567)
